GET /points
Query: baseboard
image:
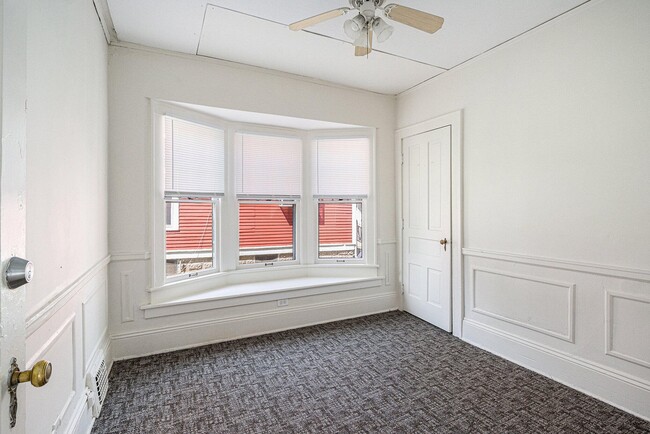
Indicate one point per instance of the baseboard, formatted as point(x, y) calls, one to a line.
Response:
point(628, 393)
point(188, 335)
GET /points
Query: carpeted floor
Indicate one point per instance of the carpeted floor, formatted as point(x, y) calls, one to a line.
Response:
point(387, 373)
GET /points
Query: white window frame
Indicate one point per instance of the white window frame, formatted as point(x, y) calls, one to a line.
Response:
point(369, 211)
point(242, 128)
point(335, 200)
point(215, 242)
point(159, 227)
point(296, 229)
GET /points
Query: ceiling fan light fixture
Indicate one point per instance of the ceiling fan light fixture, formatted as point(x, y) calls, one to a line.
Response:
point(382, 29)
point(362, 39)
point(354, 27)
point(368, 8)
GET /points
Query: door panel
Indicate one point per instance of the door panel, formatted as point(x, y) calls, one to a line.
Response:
point(427, 220)
point(13, 22)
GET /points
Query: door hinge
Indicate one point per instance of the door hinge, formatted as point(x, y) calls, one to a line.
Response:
point(402, 289)
point(402, 224)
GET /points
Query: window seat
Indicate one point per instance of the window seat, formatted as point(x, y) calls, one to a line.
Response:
point(258, 292)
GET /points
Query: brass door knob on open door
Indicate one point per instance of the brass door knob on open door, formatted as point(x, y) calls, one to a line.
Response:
point(444, 243)
point(39, 375)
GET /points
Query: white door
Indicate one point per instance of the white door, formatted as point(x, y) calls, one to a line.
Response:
point(12, 199)
point(426, 210)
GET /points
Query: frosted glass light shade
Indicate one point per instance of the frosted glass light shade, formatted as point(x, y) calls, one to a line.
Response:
point(354, 27)
point(382, 30)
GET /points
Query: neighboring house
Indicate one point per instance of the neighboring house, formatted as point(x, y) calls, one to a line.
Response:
point(265, 232)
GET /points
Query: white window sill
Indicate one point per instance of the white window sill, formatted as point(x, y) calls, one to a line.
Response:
point(227, 289)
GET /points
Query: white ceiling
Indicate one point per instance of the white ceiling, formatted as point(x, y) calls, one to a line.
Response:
point(254, 32)
point(264, 118)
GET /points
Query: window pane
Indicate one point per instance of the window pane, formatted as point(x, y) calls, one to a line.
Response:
point(188, 249)
point(266, 232)
point(340, 230)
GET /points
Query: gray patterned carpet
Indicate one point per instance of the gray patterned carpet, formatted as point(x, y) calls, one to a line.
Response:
point(387, 373)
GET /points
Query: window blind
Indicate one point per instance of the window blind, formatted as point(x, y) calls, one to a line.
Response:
point(341, 167)
point(268, 165)
point(194, 159)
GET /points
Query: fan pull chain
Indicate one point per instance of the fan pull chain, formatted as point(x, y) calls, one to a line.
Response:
point(368, 43)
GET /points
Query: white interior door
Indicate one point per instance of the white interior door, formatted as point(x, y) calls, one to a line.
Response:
point(426, 212)
point(12, 198)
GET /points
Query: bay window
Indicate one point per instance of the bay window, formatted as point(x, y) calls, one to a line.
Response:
point(237, 196)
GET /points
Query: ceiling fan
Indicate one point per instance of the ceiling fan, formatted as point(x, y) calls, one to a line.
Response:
point(361, 28)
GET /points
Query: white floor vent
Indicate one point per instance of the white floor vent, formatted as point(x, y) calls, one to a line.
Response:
point(97, 384)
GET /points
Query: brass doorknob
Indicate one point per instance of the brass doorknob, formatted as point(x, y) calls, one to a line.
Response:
point(39, 375)
point(443, 242)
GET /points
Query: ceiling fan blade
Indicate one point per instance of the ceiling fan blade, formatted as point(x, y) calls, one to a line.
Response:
point(307, 22)
point(412, 17)
point(366, 49)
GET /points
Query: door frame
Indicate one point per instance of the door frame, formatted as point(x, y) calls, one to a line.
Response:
point(455, 121)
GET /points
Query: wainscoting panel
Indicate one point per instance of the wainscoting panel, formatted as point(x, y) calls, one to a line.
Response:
point(532, 302)
point(95, 321)
point(69, 334)
point(628, 337)
point(585, 325)
point(49, 405)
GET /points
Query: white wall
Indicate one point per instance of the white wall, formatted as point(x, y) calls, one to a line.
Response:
point(138, 74)
point(66, 205)
point(557, 196)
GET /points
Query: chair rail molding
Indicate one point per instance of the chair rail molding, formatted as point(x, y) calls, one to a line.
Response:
point(130, 256)
point(584, 267)
point(60, 298)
